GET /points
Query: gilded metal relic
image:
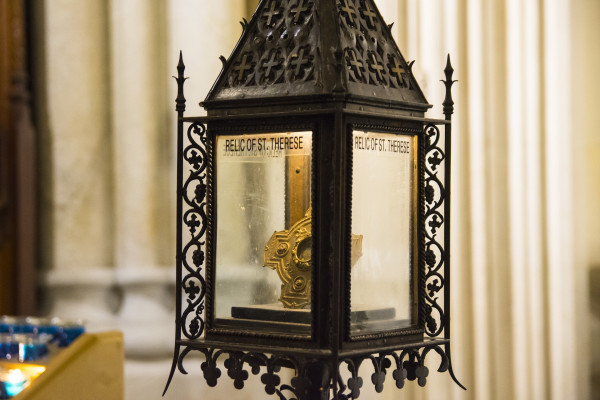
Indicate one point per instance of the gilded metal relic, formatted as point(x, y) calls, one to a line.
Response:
point(289, 252)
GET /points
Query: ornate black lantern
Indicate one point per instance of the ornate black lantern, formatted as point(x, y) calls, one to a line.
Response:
point(313, 208)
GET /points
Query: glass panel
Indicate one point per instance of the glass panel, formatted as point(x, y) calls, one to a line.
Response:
point(383, 219)
point(263, 231)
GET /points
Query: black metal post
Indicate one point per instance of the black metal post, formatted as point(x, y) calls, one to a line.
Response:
point(180, 108)
point(448, 111)
point(320, 377)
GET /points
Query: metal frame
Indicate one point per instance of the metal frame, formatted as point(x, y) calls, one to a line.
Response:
point(248, 127)
point(385, 125)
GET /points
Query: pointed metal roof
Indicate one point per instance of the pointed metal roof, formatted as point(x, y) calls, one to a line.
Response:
point(317, 47)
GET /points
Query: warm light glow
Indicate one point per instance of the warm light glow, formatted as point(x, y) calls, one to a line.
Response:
point(14, 381)
point(32, 371)
point(16, 377)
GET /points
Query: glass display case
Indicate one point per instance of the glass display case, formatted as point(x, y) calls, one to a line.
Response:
point(383, 212)
point(263, 220)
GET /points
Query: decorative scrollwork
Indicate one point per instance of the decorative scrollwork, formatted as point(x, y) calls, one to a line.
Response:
point(193, 198)
point(434, 253)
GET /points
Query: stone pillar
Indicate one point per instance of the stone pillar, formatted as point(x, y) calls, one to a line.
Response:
point(70, 75)
point(144, 233)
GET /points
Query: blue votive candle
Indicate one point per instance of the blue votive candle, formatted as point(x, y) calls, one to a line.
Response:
point(68, 331)
point(32, 347)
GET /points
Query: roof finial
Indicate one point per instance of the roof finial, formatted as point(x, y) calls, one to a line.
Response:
point(180, 78)
point(448, 102)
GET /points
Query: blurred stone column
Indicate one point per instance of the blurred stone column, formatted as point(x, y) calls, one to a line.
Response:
point(70, 75)
point(144, 244)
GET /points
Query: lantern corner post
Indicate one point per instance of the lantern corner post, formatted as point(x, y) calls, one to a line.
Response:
point(180, 102)
point(448, 109)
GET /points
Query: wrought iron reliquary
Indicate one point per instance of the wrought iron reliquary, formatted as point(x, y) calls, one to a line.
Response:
point(313, 209)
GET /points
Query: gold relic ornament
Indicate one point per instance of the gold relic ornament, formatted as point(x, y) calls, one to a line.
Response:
point(289, 252)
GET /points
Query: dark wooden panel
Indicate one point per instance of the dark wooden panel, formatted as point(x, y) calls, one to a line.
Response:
point(17, 166)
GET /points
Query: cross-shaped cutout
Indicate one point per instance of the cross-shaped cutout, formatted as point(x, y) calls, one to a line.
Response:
point(269, 65)
point(356, 64)
point(434, 287)
point(376, 67)
point(242, 68)
point(370, 15)
point(399, 72)
point(435, 159)
point(435, 224)
point(193, 223)
point(299, 62)
point(298, 10)
point(195, 159)
point(349, 10)
point(270, 13)
point(192, 290)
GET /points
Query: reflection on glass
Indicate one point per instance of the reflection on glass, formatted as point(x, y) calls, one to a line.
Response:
point(263, 231)
point(383, 205)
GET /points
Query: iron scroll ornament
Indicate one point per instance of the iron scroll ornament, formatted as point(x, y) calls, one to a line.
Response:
point(434, 256)
point(194, 219)
point(405, 363)
point(190, 257)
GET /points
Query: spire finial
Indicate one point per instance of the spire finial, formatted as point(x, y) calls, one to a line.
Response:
point(180, 78)
point(448, 102)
